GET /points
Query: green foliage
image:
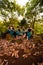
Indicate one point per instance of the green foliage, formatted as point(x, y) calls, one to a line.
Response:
point(10, 7)
point(38, 27)
point(20, 10)
point(14, 22)
point(4, 25)
point(31, 7)
point(7, 7)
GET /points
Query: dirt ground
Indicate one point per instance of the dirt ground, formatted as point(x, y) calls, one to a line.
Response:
point(21, 52)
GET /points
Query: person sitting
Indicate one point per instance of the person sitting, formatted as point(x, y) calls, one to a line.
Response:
point(23, 31)
point(18, 32)
point(29, 34)
point(11, 31)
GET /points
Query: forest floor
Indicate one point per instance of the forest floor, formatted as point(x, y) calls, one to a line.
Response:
point(21, 51)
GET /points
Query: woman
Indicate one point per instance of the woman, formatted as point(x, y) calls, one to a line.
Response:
point(28, 33)
point(11, 31)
